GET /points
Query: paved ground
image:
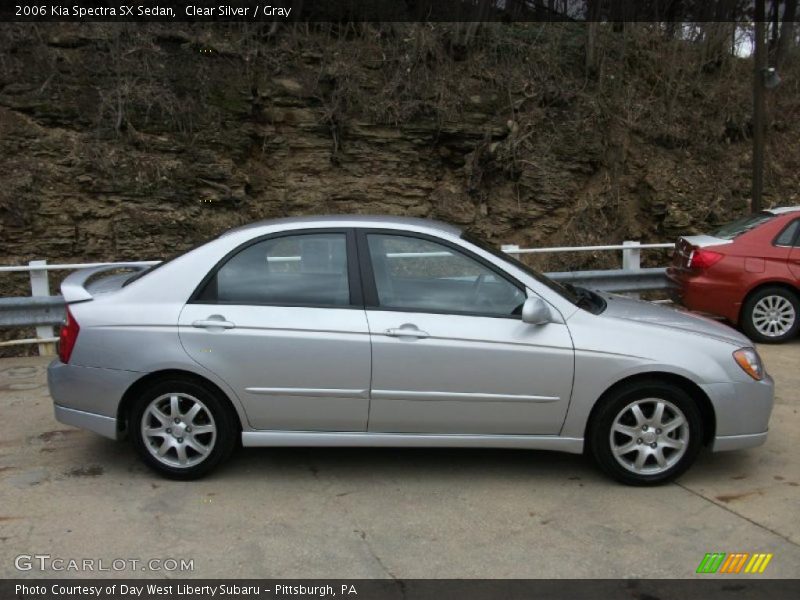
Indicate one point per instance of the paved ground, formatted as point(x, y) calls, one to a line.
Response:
point(389, 513)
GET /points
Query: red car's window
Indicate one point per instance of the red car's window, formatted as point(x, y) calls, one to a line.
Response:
point(743, 225)
point(788, 236)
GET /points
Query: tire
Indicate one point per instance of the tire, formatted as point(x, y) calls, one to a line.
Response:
point(771, 315)
point(667, 453)
point(203, 425)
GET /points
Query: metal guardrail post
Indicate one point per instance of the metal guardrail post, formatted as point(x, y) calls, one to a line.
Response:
point(631, 257)
point(40, 286)
point(509, 249)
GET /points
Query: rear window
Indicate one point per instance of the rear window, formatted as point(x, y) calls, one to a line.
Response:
point(743, 225)
point(788, 236)
point(307, 269)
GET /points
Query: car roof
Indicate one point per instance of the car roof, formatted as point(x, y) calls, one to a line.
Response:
point(375, 221)
point(782, 210)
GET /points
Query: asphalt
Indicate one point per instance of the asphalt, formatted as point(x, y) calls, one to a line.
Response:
point(353, 513)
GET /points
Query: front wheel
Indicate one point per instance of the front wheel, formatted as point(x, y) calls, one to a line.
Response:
point(646, 433)
point(181, 429)
point(771, 315)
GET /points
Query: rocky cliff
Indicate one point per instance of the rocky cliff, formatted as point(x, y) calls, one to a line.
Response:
point(134, 142)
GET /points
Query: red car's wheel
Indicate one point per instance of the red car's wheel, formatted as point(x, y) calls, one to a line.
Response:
point(771, 315)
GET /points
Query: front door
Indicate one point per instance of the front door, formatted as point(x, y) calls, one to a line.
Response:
point(450, 353)
point(278, 323)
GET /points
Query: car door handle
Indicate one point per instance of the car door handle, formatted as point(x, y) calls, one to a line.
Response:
point(407, 331)
point(211, 322)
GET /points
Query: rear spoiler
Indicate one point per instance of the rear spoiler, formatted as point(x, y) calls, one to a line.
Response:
point(73, 288)
point(701, 241)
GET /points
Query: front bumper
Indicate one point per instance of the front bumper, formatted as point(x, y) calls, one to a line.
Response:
point(742, 411)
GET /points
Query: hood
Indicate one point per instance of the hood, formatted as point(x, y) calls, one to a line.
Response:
point(630, 309)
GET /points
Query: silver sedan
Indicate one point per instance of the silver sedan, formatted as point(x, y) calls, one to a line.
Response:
point(381, 331)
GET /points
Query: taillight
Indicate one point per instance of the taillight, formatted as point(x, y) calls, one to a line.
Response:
point(703, 259)
point(67, 337)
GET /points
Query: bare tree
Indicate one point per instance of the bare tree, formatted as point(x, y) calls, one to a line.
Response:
point(592, 16)
point(786, 39)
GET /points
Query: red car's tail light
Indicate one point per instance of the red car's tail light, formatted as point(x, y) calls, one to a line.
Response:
point(703, 259)
point(67, 337)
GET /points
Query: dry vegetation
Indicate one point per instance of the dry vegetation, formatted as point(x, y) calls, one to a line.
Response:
point(131, 142)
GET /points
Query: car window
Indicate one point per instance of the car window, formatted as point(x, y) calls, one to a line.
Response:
point(416, 274)
point(305, 270)
point(743, 225)
point(565, 292)
point(788, 236)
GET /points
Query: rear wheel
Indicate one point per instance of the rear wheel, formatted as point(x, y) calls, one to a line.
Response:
point(646, 433)
point(181, 429)
point(771, 315)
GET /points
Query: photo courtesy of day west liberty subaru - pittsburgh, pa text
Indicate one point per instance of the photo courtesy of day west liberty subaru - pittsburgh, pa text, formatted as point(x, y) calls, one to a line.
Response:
point(154, 590)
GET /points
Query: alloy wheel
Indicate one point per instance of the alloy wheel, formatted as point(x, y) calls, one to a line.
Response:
point(178, 430)
point(773, 316)
point(649, 436)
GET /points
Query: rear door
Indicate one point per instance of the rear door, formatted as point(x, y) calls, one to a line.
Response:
point(450, 353)
point(791, 237)
point(281, 320)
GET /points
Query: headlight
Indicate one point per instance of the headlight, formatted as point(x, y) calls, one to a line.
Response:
point(748, 359)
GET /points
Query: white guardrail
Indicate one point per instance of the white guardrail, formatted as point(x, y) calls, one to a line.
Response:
point(43, 311)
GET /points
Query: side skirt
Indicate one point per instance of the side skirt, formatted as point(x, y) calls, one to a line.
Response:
point(411, 440)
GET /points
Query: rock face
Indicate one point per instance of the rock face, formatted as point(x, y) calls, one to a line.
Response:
point(132, 142)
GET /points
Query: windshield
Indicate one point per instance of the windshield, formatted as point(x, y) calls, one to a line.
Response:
point(563, 291)
point(743, 225)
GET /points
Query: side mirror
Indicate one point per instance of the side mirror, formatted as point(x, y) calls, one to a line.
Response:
point(535, 311)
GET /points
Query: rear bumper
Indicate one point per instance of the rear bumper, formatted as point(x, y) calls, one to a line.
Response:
point(702, 294)
point(88, 397)
point(105, 426)
point(738, 442)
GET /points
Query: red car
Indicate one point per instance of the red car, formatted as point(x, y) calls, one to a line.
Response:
point(747, 272)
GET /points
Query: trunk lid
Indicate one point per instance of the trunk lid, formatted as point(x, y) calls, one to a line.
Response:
point(686, 245)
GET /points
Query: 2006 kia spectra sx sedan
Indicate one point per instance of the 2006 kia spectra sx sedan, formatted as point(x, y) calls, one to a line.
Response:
point(368, 331)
